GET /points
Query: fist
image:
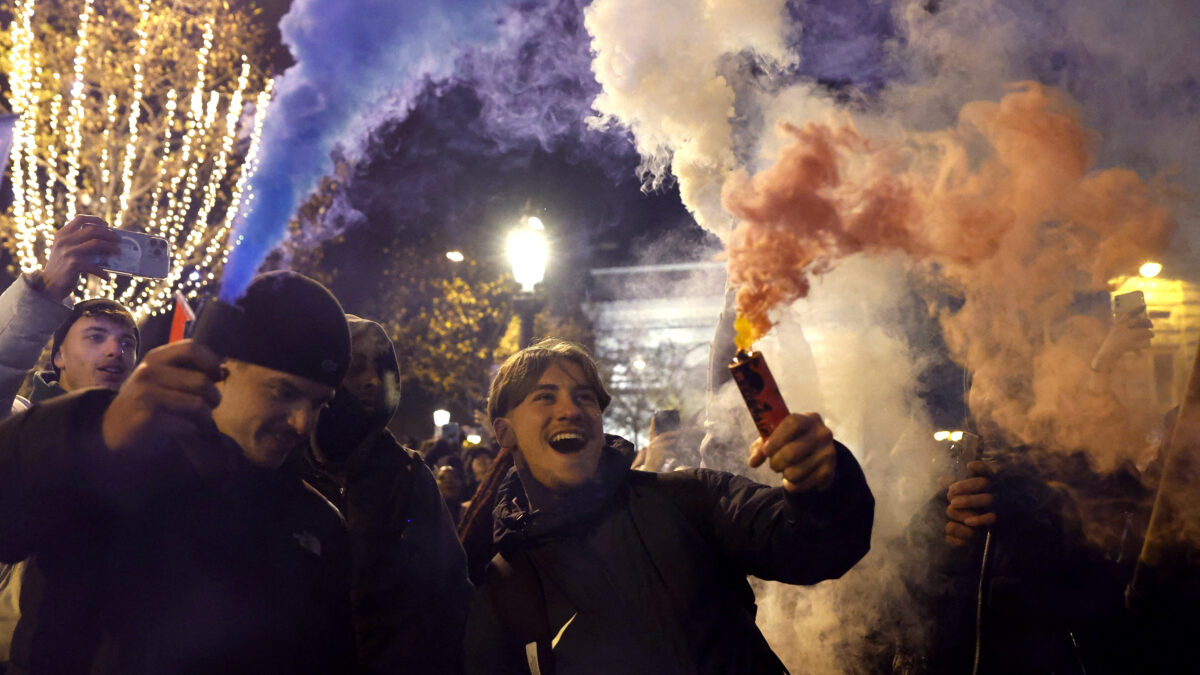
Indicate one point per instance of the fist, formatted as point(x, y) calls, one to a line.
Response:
point(169, 395)
point(801, 448)
point(76, 248)
point(1129, 333)
point(970, 505)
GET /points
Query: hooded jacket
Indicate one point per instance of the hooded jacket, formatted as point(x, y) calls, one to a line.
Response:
point(409, 583)
point(646, 573)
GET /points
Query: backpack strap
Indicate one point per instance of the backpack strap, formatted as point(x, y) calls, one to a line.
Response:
point(515, 590)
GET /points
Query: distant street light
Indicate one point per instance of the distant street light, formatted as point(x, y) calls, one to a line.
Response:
point(528, 252)
point(1150, 270)
point(441, 418)
point(455, 256)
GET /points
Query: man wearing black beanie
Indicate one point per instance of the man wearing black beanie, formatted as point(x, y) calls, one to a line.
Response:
point(168, 540)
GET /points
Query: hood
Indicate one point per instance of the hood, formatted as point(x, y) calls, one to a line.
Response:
point(370, 341)
point(517, 525)
point(345, 424)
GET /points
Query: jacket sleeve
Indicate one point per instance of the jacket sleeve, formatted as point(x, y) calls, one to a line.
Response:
point(53, 468)
point(798, 539)
point(28, 319)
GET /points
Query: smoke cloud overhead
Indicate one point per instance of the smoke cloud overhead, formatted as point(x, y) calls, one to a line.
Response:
point(349, 54)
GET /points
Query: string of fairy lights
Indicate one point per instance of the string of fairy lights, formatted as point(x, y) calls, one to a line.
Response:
point(197, 170)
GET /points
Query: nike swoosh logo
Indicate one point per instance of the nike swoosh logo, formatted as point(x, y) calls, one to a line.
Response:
point(554, 642)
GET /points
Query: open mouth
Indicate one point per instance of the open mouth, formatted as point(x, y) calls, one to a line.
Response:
point(567, 442)
point(112, 370)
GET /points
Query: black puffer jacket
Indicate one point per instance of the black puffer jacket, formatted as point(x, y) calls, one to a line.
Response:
point(153, 565)
point(646, 573)
point(409, 584)
point(1054, 599)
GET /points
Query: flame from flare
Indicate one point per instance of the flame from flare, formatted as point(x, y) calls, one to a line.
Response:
point(1002, 208)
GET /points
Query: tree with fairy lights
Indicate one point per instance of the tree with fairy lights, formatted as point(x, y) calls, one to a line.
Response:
point(146, 113)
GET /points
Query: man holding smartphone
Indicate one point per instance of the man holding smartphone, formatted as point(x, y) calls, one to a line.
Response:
point(35, 308)
point(95, 344)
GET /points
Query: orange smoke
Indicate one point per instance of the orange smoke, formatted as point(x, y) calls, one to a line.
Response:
point(797, 216)
point(1004, 208)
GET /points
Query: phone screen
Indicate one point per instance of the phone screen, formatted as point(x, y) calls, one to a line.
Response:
point(666, 420)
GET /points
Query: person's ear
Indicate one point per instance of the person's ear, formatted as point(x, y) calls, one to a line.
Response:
point(504, 433)
point(58, 359)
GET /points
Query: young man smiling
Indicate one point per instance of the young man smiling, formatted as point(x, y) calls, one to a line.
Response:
point(34, 309)
point(602, 569)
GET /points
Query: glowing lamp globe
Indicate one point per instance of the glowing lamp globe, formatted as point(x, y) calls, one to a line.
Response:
point(527, 251)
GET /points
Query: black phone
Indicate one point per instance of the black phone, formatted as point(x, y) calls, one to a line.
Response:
point(666, 420)
point(964, 448)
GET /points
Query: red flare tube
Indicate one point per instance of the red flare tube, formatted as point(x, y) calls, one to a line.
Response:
point(758, 388)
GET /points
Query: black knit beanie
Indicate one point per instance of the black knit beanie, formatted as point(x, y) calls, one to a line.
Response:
point(293, 324)
point(92, 307)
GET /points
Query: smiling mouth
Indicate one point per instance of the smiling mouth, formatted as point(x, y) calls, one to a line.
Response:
point(567, 443)
point(112, 370)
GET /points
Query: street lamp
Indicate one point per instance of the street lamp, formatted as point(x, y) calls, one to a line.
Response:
point(441, 418)
point(527, 250)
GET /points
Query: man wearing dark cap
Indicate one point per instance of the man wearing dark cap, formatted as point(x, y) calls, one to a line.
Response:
point(168, 539)
point(95, 340)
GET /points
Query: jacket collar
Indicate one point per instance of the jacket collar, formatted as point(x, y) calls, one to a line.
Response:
point(517, 524)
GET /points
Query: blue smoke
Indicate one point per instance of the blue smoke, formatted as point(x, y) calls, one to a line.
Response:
point(348, 54)
point(844, 42)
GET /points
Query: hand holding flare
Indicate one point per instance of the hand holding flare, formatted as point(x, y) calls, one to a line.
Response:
point(801, 448)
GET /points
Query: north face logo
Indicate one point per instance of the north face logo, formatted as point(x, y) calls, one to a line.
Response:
point(309, 542)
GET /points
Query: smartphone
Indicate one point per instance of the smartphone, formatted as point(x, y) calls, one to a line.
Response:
point(964, 449)
point(666, 420)
point(142, 255)
point(1126, 304)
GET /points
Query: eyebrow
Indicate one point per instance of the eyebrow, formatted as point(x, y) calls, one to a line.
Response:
point(292, 388)
point(554, 387)
point(107, 331)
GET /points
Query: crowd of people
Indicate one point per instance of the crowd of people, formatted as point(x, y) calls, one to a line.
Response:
point(250, 512)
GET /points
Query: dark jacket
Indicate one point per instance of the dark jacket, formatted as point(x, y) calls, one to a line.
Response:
point(151, 565)
point(646, 573)
point(1054, 597)
point(409, 583)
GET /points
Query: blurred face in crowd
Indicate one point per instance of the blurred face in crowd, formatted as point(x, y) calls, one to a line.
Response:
point(97, 351)
point(479, 467)
point(449, 483)
point(556, 429)
point(268, 412)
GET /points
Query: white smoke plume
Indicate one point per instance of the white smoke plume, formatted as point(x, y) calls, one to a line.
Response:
point(665, 73)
